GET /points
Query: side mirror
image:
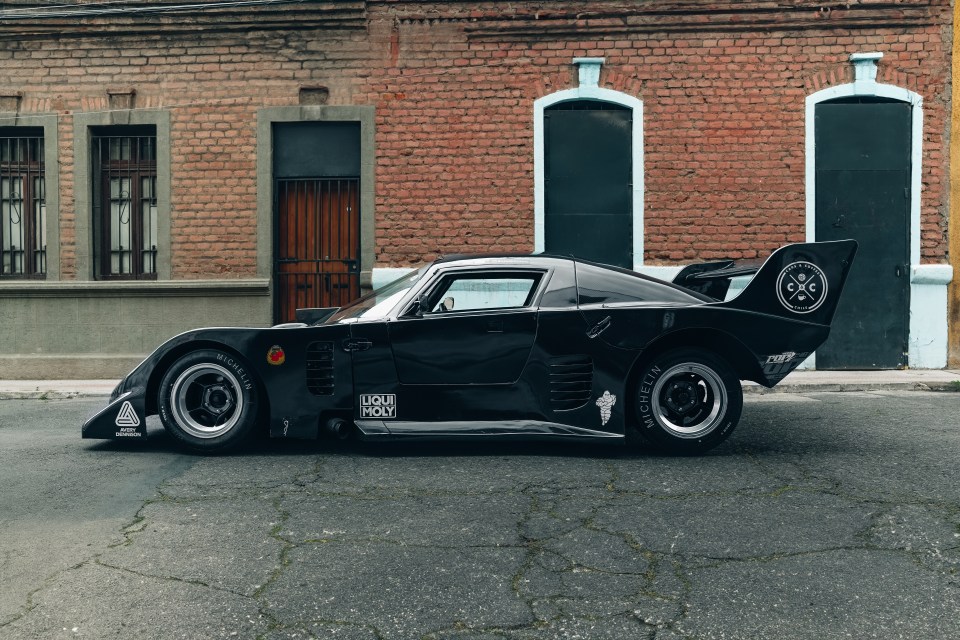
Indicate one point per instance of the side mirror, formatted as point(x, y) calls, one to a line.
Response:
point(417, 309)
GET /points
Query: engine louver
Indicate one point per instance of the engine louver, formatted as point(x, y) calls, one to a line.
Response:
point(571, 382)
point(320, 368)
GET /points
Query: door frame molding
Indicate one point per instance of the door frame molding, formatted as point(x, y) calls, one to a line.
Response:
point(597, 94)
point(928, 319)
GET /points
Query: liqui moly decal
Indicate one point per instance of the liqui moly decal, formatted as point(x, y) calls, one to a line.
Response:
point(378, 405)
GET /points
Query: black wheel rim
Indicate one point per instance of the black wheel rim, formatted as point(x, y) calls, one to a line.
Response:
point(690, 400)
point(206, 400)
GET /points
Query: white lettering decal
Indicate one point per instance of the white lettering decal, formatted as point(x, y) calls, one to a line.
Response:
point(781, 358)
point(378, 405)
point(230, 362)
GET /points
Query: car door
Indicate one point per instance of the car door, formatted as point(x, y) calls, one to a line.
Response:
point(473, 327)
point(450, 369)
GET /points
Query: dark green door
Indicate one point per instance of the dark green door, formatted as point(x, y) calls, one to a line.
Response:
point(588, 187)
point(863, 192)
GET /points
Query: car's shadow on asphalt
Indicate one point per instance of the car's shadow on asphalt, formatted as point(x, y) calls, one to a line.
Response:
point(754, 440)
point(158, 441)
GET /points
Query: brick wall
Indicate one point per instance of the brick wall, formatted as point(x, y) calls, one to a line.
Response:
point(453, 85)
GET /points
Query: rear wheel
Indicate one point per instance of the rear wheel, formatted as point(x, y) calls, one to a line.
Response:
point(207, 400)
point(687, 401)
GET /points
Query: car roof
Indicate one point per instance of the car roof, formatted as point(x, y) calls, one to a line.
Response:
point(498, 257)
point(545, 260)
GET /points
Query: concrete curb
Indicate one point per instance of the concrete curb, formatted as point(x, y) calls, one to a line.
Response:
point(839, 381)
point(55, 389)
point(750, 388)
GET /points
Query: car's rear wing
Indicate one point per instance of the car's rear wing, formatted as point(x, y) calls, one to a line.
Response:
point(713, 278)
point(799, 281)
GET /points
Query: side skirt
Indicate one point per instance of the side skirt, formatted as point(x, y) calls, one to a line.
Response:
point(513, 429)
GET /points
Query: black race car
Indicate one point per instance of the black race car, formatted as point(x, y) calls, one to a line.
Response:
point(531, 346)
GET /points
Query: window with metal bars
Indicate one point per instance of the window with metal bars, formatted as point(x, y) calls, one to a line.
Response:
point(23, 210)
point(125, 201)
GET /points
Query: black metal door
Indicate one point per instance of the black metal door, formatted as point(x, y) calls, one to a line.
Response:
point(863, 192)
point(317, 215)
point(588, 187)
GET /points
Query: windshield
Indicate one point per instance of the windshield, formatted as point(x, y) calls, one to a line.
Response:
point(379, 302)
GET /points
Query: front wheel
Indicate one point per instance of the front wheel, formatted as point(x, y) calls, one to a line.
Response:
point(207, 400)
point(687, 401)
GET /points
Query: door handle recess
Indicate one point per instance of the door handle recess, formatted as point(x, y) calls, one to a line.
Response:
point(599, 328)
point(495, 326)
point(356, 344)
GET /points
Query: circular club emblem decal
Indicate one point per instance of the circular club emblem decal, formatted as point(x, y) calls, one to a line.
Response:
point(802, 287)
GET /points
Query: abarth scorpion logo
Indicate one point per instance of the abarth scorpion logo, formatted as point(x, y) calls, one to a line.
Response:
point(802, 287)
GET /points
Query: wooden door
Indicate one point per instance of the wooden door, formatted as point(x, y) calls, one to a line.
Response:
point(318, 237)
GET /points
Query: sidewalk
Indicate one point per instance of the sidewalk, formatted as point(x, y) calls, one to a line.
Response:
point(907, 379)
point(796, 382)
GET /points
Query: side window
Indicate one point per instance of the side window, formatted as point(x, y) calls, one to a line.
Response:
point(472, 291)
point(561, 291)
point(125, 201)
point(23, 209)
point(597, 285)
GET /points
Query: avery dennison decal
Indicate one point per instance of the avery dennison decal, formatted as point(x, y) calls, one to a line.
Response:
point(378, 405)
point(802, 287)
point(127, 417)
point(128, 422)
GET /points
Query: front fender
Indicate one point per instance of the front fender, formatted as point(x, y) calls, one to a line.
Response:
point(124, 417)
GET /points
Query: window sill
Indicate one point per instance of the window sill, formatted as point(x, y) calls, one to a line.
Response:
point(134, 288)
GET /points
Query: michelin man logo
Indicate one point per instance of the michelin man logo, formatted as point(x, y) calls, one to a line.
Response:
point(606, 402)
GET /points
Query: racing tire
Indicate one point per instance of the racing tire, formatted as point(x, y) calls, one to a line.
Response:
point(208, 401)
point(686, 402)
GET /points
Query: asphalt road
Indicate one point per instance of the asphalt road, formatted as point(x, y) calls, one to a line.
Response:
point(827, 515)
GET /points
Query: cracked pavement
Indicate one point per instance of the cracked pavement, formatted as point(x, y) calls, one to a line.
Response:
point(826, 515)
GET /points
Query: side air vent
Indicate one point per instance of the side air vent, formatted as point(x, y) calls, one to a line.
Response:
point(571, 382)
point(320, 368)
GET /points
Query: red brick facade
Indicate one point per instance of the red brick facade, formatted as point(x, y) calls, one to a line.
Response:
point(445, 93)
point(453, 85)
